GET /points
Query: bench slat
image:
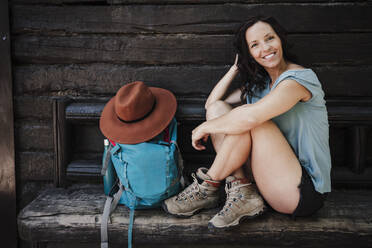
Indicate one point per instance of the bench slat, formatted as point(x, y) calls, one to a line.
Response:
point(355, 111)
point(74, 215)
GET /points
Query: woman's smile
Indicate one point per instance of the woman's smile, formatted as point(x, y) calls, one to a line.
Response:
point(269, 56)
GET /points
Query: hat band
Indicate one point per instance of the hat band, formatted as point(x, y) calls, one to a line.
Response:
point(140, 119)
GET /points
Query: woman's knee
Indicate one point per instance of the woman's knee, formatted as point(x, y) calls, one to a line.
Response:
point(217, 109)
point(264, 127)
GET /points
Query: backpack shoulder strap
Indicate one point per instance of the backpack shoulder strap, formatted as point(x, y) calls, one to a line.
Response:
point(110, 206)
point(180, 165)
point(104, 221)
point(130, 228)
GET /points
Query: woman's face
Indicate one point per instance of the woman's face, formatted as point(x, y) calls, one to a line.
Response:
point(264, 45)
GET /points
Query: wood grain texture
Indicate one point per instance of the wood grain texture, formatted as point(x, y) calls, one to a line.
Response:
point(66, 214)
point(33, 107)
point(34, 166)
point(182, 80)
point(182, 49)
point(8, 225)
point(34, 136)
point(106, 79)
point(61, 142)
point(169, 245)
point(226, 18)
point(151, 2)
point(28, 191)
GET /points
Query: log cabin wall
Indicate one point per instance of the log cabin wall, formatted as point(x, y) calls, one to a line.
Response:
point(89, 48)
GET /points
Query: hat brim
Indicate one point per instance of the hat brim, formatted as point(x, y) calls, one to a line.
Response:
point(143, 130)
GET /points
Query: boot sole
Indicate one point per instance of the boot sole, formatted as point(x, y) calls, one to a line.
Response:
point(240, 220)
point(184, 215)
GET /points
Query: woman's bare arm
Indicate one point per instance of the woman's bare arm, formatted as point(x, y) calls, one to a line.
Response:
point(243, 118)
point(234, 97)
point(222, 86)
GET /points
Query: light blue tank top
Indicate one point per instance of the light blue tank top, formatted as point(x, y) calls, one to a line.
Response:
point(306, 128)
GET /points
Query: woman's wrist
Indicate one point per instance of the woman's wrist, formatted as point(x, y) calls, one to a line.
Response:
point(234, 68)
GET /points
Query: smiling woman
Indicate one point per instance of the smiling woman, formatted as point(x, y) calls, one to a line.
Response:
point(281, 127)
point(274, 37)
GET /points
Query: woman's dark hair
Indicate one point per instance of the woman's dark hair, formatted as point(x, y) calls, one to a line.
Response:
point(253, 75)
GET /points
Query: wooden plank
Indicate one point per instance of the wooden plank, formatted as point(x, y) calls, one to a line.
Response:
point(345, 81)
point(34, 136)
point(188, 109)
point(226, 18)
point(61, 142)
point(349, 115)
point(218, 1)
point(90, 111)
point(35, 166)
point(67, 215)
point(8, 227)
point(106, 79)
point(56, 2)
point(174, 245)
point(28, 191)
point(342, 177)
point(151, 2)
point(358, 148)
point(123, 49)
point(369, 146)
point(33, 107)
point(84, 171)
point(338, 144)
point(183, 48)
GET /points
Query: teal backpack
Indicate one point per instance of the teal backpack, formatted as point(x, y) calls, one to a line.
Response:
point(140, 175)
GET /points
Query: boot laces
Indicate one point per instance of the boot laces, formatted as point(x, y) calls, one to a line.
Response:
point(233, 197)
point(192, 192)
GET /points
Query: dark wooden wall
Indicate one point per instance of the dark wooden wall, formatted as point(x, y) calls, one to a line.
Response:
point(89, 48)
point(8, 225)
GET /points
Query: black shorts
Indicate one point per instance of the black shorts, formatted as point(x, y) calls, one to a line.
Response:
point(310, 199)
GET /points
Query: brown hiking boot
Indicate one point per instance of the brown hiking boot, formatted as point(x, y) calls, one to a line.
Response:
point(243, 201)
point(201, 194)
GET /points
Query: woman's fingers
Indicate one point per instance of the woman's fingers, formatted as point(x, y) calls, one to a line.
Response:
point(236, 59)
point(197, 137)
point(198, 146)
point(197, 142)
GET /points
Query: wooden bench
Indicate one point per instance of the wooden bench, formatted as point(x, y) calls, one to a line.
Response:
point(72, 214)
point(72, 217)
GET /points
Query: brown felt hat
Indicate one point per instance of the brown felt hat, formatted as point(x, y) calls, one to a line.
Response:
point(137, 113)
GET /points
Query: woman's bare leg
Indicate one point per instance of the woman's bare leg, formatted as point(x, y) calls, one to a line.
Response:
point(275, 167)
point(215, 110)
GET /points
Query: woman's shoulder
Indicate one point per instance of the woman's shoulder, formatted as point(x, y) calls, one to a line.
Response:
point(292, 66)
point(295, 70)
point(304, 76)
